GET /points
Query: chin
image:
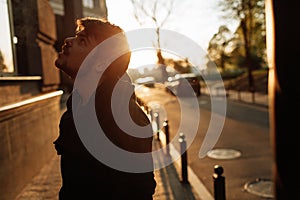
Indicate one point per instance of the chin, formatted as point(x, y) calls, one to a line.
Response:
point(60, 61)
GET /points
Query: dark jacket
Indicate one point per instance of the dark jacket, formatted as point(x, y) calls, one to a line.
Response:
point(83, 176)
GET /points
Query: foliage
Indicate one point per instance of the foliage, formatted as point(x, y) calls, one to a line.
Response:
point(180, 66)
point(229, 74)
point(241, 83)
point(217, 48)
point(247, 46)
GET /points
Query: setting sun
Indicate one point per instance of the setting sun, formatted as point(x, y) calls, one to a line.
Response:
point(143, 58)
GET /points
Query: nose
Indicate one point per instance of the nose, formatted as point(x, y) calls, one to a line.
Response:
point(68, 41)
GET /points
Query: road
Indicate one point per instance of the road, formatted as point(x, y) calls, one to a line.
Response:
point(248, 172)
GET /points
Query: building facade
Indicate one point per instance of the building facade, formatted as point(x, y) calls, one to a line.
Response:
point(31, 88)
point(66, 12)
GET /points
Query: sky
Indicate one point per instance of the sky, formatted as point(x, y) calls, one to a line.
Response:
point(197, 20)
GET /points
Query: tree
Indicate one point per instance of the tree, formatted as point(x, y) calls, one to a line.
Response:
point(250, 34)
point(158, 12)
point(218, 47)
point(180, 66)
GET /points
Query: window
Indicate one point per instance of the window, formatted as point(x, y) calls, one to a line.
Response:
point(6, 43)
point(88, 3)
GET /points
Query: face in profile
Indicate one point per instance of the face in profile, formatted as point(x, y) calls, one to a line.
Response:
point(74, 51)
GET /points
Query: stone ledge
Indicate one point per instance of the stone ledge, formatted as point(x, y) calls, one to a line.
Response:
point(20, 78)
point(28, 129)
point(31, 100)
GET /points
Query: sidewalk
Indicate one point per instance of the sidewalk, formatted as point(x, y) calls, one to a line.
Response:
point(46, 184)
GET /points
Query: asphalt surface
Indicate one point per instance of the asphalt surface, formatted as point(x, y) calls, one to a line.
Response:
point(243, 148)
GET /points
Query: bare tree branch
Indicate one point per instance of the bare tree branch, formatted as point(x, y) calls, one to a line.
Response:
point(158, 11)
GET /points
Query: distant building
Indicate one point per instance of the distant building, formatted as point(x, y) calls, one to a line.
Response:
point(67, 11)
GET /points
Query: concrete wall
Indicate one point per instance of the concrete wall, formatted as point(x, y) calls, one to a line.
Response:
point(15, 89)
point(27, 131)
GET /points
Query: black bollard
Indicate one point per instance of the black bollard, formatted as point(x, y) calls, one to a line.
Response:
point(151, 114)
point(239, 94)
point(156, 116)
point(219, 183)
point(184, 171)
point(166, 126)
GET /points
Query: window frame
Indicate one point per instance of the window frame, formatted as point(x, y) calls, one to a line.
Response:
point(12, 38)
point(88, 4)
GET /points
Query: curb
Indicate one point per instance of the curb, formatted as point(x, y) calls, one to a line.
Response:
point(199, 188)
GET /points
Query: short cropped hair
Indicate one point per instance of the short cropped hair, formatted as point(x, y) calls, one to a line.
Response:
point(101, 27)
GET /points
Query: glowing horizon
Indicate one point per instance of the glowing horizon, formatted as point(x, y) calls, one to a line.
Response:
point(200, 23)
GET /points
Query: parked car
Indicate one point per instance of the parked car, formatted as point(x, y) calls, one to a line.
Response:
point(180, 85)
point(148, 81)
